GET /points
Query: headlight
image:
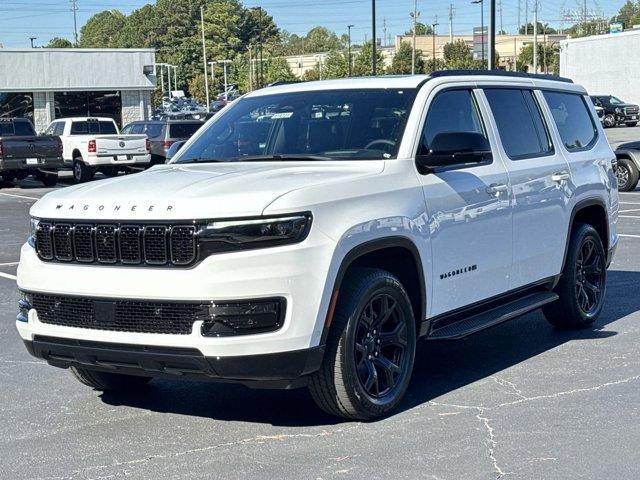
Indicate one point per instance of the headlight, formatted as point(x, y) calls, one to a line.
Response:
point(247, 234)
point(33, 228)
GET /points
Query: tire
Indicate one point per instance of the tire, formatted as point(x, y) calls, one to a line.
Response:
point(108, 381)
point(49, 179)
point(360, 378)
point(609, 120)
point(81, 171)
point(626, 174)
point(582, 286)
point(631, 124)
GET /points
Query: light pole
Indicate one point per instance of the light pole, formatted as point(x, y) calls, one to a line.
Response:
point(175, 77)
point(415, 23)
point(433, 36)
point(373, 38)
point(213, 76)
point(224, 66)
point(481, 3)
point(204, 56)
point(349, 27)
point(492, 36)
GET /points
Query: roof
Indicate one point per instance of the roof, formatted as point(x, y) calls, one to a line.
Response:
point(407, 81)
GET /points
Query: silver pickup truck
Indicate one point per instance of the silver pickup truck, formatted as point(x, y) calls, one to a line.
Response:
point(23, 153)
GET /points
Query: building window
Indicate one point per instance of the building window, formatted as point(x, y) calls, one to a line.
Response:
point(89, 104)
point(16, 105)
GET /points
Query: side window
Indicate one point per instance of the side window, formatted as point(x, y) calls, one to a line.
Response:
point(572, 117)
point(137, 128)
point(519, 121)
point(153, 130)
point(59, 131)
point(126, 130)
point(51, 129)
point(450, 111)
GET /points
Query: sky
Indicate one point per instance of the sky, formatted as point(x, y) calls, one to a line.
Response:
point(44, 19)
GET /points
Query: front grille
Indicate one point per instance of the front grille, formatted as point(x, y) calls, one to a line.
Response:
point(110, 243)
point(119, 315)
point(631, 110)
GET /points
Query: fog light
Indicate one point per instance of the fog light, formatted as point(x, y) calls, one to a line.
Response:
point(259, 316)
point(24, 304)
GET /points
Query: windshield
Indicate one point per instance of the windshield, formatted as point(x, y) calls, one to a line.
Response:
point(345, 124)
point(615, 100)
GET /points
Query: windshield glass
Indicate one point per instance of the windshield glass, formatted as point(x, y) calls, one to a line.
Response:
point(615, 100)
point(345, 124)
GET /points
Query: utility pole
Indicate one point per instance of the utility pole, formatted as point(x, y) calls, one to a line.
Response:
point(433, 38)
point(481, 3)
point(492, 36)
point(204, 56)
point(500, 13)
point(32, 39)
point(526, 17)
point(451, 23)
point(384, 31)
point(518, 27)
point(373, 38)
point(349, 27)
point(74, 9)
point(415, 24)
point(584, 15)
point(161, 78)
point(535, 36)
point(213, 78)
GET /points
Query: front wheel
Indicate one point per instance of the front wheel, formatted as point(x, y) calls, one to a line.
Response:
point(370, 349)
point(107, 380)
point(609, 120)
point(583, 282)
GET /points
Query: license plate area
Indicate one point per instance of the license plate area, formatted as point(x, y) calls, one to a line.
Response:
point(32, 161)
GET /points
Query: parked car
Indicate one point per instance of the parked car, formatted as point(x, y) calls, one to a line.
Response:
point(23, 153)
point(162, 134)
point(628, 155)
point(174, 148)
point(91, 144)
point(315, 250)
point(600, 113)
point(617, 112)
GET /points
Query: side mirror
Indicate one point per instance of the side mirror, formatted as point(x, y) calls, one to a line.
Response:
point(455, 148)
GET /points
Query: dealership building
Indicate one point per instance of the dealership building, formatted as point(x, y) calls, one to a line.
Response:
point(43, 84)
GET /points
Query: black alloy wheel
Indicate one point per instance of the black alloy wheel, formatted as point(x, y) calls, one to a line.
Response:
point(380, 346)
point(590, 267)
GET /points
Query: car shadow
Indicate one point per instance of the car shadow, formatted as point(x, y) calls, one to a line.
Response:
point(440, 367)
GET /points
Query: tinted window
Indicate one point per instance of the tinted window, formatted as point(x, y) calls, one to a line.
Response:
point(571, 115)
point(24, 129)
point(136, 129)
point(346, 124)
point(6, 128)
point(127, 130)
point(451, 111)
point(59, 129)
point(520, 124)
point(87, 127)
point(183, 130)
point(153, 130)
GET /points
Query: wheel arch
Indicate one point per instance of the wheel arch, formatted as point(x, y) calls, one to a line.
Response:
point(592, 211)
point(76, 154)
point(633, 155)
point(399, 256)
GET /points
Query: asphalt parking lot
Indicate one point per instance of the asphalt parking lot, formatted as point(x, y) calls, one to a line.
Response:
point(521, 401)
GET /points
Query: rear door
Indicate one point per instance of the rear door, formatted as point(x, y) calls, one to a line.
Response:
point(469, 212)
point(540, 180)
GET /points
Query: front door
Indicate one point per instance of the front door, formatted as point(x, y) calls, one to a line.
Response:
point(469, 211)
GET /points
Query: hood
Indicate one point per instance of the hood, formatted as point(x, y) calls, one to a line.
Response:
point(195, 191)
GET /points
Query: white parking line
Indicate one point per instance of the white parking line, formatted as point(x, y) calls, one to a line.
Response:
point(19, 196)
point(10, 277)
point(630, 210)
point(9, 264)
point(629, 203)
point(628, 236)
point(628, 216)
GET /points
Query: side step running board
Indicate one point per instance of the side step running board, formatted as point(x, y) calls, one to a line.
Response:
point(490, 318)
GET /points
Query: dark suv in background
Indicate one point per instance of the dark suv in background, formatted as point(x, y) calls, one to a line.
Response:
point(617, 112)
point(162, 134)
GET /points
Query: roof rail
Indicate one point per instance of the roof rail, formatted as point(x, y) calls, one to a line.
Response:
point(499, 73)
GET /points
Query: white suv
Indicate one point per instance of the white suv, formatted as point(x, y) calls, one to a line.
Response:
point(310, 233)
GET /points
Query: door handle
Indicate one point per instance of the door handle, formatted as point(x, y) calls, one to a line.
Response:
point(496, 188)
point(560, 177)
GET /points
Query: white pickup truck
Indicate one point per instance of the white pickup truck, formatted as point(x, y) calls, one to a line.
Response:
point(95, 144)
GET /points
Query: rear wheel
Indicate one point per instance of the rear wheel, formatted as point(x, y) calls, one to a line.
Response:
point(107, 380)
point(627, 175)
point(49, 179)
point(81, 171)
point(370, 348)
point(583, 282)
point(110, 171)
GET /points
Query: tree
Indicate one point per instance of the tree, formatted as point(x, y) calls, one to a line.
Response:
point(629, 14)
point(542, 28)
point(362, 61)
point(402, 60)
point(197, 89)
point(57, 42)
point(458, 56)
point(548, 55)
point(277, 70)
point(421, 29)
point(335, 65)
point(102, 30)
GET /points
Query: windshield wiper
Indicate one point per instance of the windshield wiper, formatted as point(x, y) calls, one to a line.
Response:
point(293, 157)
point(201, 160)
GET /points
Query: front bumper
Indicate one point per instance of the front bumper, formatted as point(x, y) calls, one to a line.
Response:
point(53, 163)
point(277, 370)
